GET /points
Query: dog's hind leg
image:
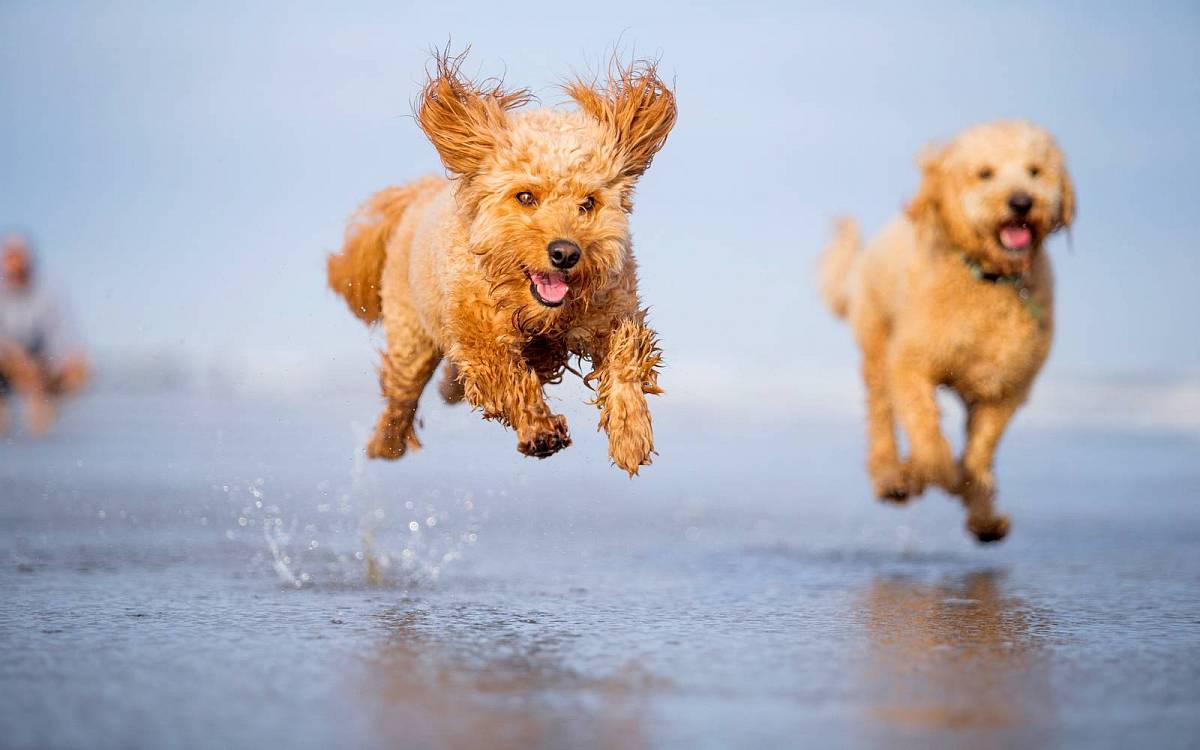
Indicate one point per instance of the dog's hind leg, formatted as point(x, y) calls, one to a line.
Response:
point(408, 364)
point(626, 371)
point(450, 386)
point(986, 421)
point(883, 462)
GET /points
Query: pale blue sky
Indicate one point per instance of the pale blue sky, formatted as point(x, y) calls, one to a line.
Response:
point(185, 167)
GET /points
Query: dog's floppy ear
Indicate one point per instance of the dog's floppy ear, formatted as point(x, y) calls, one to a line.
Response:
point(464, 120)
point(635, 106)
point(1066, 212)
point(928, 196)
point(936, 198)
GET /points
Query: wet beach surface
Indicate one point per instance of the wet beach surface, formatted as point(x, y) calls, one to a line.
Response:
point(194, 571)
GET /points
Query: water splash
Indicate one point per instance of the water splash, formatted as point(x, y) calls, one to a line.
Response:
point(358, 533)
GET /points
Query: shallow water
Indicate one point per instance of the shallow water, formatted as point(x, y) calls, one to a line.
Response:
point(182, 571)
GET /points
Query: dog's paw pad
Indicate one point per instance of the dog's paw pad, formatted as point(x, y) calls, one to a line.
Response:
point(390, 445)
point(389, 450)
point(990, 529)
point(546, 444)
point(893, 494)
point(893, 486)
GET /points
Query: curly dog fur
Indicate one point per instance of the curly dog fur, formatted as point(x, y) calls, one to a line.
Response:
point(466, 269)
point(956, 292)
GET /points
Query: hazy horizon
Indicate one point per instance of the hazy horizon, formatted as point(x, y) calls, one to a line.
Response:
point(185, 169)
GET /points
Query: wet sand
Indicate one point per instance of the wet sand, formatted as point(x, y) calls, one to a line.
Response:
point(201, 572)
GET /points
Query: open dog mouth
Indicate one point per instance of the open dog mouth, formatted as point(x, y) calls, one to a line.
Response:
point(548, 287)
point(1016, 236)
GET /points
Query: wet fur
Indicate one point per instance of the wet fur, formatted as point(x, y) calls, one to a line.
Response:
point(923, 320)
point(443, 263)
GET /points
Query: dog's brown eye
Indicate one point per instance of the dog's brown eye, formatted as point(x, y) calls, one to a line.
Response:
point(1034, 171)
point(525, 198)
point(588, 204)
point(985, 173)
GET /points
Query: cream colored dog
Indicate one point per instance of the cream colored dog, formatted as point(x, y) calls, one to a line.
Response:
point(956, 292)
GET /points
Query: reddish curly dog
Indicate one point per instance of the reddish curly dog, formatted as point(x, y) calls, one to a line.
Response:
point(519, 260)
point(957, 292)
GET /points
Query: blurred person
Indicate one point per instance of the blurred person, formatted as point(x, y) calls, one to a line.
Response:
point(40, 357)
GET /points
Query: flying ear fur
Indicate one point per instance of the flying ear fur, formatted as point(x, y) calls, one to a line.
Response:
point(464, 120)
point(635, 106)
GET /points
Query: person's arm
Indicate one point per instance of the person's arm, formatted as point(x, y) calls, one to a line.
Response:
point(63, 349)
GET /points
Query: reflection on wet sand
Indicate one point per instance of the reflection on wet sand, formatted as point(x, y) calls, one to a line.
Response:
point(481, 678)
point(957, 654)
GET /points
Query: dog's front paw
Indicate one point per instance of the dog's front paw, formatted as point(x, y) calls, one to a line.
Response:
point(631, 451)
point(548, 439)
point(934, 467)
point(625, 416)
point(891, 484)
point(391, 441)
point(990, 528)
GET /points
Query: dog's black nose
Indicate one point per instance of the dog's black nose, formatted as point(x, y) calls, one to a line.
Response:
point(1020, 203)
point(564, 254)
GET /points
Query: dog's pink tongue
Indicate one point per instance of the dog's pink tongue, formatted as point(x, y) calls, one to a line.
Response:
point(1016, 238)
point(551, 287)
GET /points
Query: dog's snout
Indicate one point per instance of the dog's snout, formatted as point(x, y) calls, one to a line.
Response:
point(1020, 202)
point(564, 254)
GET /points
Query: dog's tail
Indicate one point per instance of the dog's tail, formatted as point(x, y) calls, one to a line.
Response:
point(835, 266)
point(355, 272)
